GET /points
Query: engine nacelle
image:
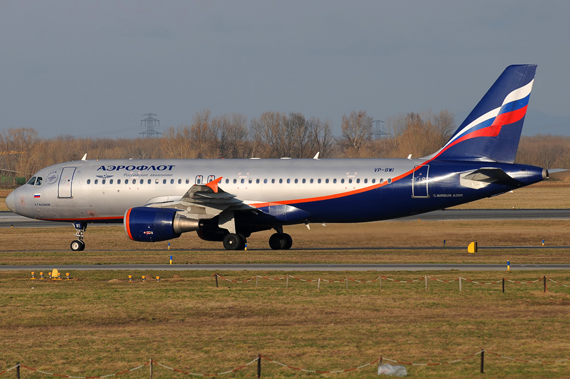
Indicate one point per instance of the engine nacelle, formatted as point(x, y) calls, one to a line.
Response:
point(146, 224)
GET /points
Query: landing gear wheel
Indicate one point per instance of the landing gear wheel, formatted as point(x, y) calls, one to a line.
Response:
point(77, 245)
point(288, 241)
point(275, 241)
point(234, 242)
point(280, 241)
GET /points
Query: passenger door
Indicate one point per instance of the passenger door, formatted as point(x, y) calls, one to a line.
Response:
point(65, 182)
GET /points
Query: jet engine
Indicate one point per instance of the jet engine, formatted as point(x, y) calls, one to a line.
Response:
point(146, 224)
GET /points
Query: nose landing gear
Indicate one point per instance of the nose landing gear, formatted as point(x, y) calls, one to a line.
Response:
point(78, 244)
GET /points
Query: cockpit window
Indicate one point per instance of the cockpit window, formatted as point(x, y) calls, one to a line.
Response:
point(32, 181)
point(39, 181)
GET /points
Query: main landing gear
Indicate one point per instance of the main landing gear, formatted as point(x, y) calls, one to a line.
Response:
point(280, 240)
point(78, 244)
point(234, 241)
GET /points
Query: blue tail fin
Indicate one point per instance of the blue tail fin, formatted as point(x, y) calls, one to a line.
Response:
point(493, 129)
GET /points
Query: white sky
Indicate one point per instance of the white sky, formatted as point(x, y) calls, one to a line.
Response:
point(94, 68)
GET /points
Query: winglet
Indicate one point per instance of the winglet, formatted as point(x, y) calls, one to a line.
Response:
point(214, 184)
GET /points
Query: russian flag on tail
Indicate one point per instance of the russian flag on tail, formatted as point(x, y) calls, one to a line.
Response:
point(492, 130)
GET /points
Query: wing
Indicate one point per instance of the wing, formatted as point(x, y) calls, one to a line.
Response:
point(202, 201)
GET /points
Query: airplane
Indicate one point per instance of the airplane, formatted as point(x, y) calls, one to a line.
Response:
point(227, 200)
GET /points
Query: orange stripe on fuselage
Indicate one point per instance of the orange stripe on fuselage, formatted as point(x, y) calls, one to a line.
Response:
point(335, 196)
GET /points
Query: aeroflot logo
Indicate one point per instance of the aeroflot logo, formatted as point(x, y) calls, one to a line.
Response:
point(136, 168)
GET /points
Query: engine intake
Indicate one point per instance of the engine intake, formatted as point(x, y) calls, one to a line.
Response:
point(146, 224)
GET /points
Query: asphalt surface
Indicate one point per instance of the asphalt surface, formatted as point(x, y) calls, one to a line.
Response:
point(291, 267)
point(9, 219)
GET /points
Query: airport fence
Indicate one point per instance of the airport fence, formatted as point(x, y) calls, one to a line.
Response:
point(152, 364)
point(384, 279)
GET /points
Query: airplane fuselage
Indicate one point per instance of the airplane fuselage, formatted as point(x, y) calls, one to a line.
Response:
point(328, 190)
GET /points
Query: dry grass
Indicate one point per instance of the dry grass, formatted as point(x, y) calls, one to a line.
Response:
point(99, 324)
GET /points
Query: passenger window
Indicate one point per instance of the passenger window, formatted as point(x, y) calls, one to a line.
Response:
point(141, 181)
point(149, 181)
point(242, 181)
point(32, 180)
point(171, 181)
point(257, 181)
point(373, 181)
point(96, 181)
point(389, 180)
point(199, 179)
point(39, 181)
point(188, 181)
point(155, 181)
point(235, 181)
point(250, 180)
point(179, 181)
point(103, 181)
point(350, 180)
point(319, 180)
point(288, 181)
point(89, 181)
point(342, 181)
point(272, 181)
point(163, 181)
point(264, 181)
point(110, 181)
point(126, 181)
point(227, 181)
point(357, 181)
point(327, 181)
point(311, 181)
point(381, 180)
point(280, 181)
point(365, 181)
point(334, 180)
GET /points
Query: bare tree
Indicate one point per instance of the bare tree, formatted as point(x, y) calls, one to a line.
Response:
point(356, 132)
point(232, 134)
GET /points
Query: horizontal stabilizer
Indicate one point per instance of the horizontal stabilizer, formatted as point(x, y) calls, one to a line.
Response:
point(485, 176)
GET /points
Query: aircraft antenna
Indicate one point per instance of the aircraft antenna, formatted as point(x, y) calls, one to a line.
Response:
point(150, 122)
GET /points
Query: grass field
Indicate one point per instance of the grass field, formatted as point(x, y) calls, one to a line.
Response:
point(98, 323)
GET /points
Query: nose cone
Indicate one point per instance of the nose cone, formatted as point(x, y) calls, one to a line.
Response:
point(10, 202)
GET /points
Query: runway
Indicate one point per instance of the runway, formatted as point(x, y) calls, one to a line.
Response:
point(10, 219)
point(290, 267)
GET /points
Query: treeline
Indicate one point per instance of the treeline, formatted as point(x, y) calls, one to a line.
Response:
point(271, 135)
